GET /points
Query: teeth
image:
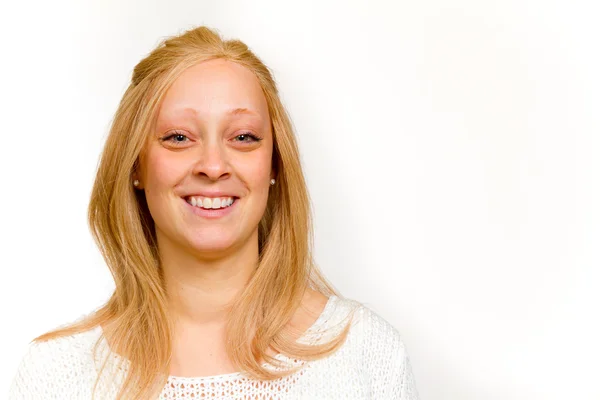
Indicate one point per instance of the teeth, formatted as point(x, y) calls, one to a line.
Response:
point(208, 203)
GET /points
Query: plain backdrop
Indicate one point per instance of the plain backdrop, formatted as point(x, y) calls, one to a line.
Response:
point(450, 147)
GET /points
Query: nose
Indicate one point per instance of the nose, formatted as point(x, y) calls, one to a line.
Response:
point(212, 159)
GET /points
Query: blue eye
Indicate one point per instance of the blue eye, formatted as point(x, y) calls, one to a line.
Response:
point(250, 135)
point(179, 138)
point(175, 135)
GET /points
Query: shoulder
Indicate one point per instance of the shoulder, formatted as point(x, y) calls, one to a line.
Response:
point(48, 367)
point(378, 334)
point(383, 337)
point(383, 352)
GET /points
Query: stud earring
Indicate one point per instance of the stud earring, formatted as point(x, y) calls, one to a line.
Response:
point(272, 182)
point(136, 183)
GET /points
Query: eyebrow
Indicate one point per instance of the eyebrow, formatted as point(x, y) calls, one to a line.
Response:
point(232, 112)
point(242, 111)
point(189, 112)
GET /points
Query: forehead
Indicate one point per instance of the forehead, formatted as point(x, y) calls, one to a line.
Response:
point(214, 89)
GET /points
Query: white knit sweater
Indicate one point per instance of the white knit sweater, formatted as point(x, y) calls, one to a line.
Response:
point(372, 364)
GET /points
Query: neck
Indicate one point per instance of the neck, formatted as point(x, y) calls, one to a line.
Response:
point(200, 289)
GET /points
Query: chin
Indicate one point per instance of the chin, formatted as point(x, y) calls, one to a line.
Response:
point(211, 244)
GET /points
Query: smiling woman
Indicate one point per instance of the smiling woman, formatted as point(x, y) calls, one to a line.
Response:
point(210, 107)
point(201, 211)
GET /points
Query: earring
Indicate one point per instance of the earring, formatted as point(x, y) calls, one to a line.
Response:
point(136, 183)
point(272, 182)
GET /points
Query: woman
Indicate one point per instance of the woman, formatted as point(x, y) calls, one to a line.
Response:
point(201, 211)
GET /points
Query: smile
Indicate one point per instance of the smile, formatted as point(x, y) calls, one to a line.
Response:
point(210, 203)
point(222, 208)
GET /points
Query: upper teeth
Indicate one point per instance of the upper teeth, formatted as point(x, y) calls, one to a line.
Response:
point(207, 202)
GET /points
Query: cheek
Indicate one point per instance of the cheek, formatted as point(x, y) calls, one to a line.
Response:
point(256, 173)
point(261, 185)
point(163, 171)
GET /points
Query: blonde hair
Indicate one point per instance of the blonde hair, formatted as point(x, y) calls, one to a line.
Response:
point(123, 229)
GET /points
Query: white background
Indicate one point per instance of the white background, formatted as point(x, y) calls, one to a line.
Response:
point(450, 150)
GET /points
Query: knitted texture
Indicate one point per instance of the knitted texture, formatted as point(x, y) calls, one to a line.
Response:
point(372, 364)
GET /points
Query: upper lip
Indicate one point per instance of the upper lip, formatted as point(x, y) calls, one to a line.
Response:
point(207, 193)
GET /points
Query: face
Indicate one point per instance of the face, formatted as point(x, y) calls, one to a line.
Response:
point(212, 139)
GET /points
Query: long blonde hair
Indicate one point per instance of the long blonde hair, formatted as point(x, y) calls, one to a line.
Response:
point(123, 229)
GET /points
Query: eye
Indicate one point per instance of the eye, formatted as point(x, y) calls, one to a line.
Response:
point(248, 135)
point(180, 138)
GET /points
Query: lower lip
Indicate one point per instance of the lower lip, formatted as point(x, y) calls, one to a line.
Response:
point(211, 214)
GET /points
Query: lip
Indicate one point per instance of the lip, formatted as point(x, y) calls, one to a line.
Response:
point(212, 214)
point(211, 194)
